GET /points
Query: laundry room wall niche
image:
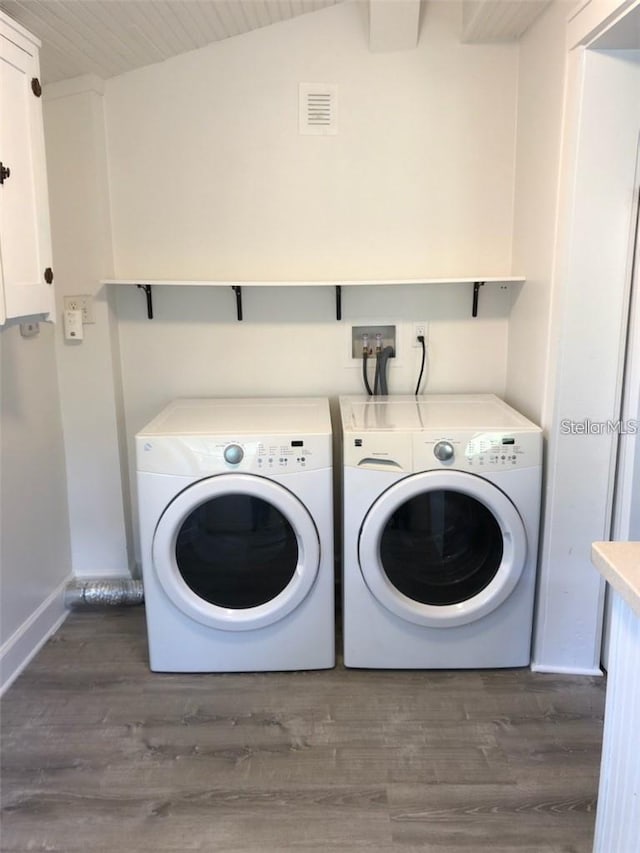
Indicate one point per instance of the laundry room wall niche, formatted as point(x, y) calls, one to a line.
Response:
point(199, 165)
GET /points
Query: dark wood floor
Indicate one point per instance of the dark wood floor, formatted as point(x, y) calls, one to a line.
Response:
point(100, 754)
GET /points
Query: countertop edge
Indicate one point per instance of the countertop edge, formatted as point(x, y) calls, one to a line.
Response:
point(619, 564)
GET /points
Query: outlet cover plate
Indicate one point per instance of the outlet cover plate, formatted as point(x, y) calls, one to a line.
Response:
point(419, 329)
point(84, 303)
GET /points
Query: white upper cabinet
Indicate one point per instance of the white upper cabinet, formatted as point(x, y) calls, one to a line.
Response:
point(26, 274)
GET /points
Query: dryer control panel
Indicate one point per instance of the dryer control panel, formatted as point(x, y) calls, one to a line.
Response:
point(477, 452)
point(461, 450)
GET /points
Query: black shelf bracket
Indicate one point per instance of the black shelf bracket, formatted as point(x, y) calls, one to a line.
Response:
point(147, 290)
point(476, 291)
point(238, 292)
point(338, 302)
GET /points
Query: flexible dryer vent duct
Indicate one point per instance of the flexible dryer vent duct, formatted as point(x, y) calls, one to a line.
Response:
point(103, 593)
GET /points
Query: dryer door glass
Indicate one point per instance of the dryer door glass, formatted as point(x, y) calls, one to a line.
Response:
point(441, 547)
point(236, 551)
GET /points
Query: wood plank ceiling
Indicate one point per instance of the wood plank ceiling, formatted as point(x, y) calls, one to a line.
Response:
point(111, 37)
point(499, 20)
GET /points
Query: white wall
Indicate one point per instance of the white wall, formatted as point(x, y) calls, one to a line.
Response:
point(90, 386)
point(592, 270)
point(34, 543)
point(540, 114)
point(210, 179)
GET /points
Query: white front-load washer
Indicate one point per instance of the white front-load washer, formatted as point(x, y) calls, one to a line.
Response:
point(236, 535)
point(441, 506)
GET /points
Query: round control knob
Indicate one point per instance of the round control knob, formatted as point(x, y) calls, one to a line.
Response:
point(233, 453)
point(443, 451)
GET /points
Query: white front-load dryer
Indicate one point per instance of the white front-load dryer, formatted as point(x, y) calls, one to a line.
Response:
point(236, 535)
point(441, 506)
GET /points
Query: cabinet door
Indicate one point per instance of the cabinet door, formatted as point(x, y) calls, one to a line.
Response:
point(25, 241)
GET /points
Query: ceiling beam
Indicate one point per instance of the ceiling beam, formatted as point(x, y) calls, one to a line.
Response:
point(393, 25)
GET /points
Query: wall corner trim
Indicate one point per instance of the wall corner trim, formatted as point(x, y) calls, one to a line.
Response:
point(74, 86)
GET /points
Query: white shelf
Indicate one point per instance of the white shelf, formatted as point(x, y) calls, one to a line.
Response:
point(344, 283)
point(476, 281)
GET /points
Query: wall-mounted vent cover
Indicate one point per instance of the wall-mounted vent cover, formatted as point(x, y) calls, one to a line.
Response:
point(318, 109)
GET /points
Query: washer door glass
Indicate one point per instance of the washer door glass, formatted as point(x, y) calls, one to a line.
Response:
point(442, 549)
point(236, 551)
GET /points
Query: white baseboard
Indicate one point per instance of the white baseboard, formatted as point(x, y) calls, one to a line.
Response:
point(27, 641)
point(564, 670)
point(104, 574)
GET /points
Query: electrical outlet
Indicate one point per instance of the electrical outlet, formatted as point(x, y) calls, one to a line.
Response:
point(419, 330)
point(80, 303)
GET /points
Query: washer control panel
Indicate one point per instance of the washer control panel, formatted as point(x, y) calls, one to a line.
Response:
point(272, 455)
point(201, 454)
point(291, 456)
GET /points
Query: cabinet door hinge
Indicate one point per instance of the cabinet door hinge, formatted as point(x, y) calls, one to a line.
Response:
point(5, 172)
point(36, 88)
